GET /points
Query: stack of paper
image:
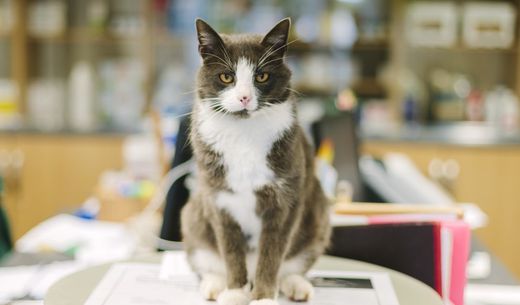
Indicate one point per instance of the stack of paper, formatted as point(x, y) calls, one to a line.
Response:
point(147, 284)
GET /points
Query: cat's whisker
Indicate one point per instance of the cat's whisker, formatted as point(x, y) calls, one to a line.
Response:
point(275, 59)
point(272, 60)
point(218, 63)
point(219, 58)
point(295, 91)
point(210, 100)
point(184, 115)
point(272, 52)
point(217, 106)
point(265, 54)
point(226, 54)
point(190, 91)
point(269, 52)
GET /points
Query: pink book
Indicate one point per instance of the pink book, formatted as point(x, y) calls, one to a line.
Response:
point(454, 239)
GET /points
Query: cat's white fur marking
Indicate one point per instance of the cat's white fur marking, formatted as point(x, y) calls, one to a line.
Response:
point(241, 206)
point(296, 288)
point(294, 265)
point(234, 297)
point(244, 144)
point(212, 285)
point(251, 263)
point(207, 261)
point(244, 86)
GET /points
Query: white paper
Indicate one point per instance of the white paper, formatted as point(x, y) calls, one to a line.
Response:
point(33, 281)
point(91, 238)
point(140, 284)
point(446, 255)
point(50, 274)
point(483, 294)
point(14, 281)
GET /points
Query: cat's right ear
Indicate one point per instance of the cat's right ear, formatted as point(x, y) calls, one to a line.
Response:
point(277, 37)
point(209, 40)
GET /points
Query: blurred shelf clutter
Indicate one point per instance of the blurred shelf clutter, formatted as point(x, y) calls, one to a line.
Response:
point(102, 64)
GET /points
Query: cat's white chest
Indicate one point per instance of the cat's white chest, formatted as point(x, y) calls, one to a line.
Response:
point(244, 145)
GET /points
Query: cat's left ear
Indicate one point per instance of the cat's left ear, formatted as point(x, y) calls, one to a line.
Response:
point(209, 40)
point(277, 37)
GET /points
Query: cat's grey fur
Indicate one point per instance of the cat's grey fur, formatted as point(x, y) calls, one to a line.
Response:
point(292, 207)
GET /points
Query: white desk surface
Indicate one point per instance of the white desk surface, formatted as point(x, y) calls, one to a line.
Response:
point(75, 288)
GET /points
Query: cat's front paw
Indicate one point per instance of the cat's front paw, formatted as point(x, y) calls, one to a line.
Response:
point(234, 297)
point(211, 286)
point(264, 302)
point(296, 288)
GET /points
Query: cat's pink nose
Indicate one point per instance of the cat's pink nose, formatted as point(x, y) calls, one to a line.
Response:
point(245, 99)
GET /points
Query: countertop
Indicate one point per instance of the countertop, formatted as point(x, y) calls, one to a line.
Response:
point(459, 134)
point(68, 132)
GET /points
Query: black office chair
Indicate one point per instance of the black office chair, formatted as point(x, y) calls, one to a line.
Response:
point(178, 194)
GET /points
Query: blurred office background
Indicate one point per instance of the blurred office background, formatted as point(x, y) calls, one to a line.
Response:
point(86, 86)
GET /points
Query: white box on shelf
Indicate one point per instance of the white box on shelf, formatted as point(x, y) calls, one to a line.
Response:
point(432, 24)
point(489, 24)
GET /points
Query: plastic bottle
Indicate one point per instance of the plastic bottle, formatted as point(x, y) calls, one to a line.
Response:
point(82, 97)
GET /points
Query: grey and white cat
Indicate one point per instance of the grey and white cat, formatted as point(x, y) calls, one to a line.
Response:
point(259, 218)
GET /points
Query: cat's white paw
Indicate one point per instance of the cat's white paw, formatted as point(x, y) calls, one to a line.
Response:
point(264, 302)
point(234, 297)
point(296, 288)
point(212, 285)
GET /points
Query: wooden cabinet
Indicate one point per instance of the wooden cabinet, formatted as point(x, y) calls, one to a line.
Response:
point(58, 173)
point(489, 176)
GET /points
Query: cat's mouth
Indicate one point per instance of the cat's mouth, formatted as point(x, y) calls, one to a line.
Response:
point(244, 113)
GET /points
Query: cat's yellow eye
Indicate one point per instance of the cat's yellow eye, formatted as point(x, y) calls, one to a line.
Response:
point(262, 77)
point(226, 78)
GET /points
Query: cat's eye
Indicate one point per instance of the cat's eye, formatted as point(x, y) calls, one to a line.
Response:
point(226, 78)
point(262, 77)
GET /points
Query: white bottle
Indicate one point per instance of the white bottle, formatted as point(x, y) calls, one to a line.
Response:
point(82, 97)
point(510, 111)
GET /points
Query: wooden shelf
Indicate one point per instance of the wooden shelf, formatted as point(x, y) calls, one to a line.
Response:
point(304, 91)
point(368, 87)
point(364, 87)
point(371, 45)
point(359, 46)
point(464, 49)
point(79, 35)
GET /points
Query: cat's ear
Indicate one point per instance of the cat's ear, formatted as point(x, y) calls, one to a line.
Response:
point(276, 39)
point(209, 40)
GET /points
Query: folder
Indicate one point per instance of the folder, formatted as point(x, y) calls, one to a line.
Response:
point(434, 252)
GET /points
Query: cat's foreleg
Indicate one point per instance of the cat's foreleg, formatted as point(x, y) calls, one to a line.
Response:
point(233, 248)
point(273, 241)
point(274, 238)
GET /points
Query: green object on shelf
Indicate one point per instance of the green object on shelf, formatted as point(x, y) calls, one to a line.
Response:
point(5, 234)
